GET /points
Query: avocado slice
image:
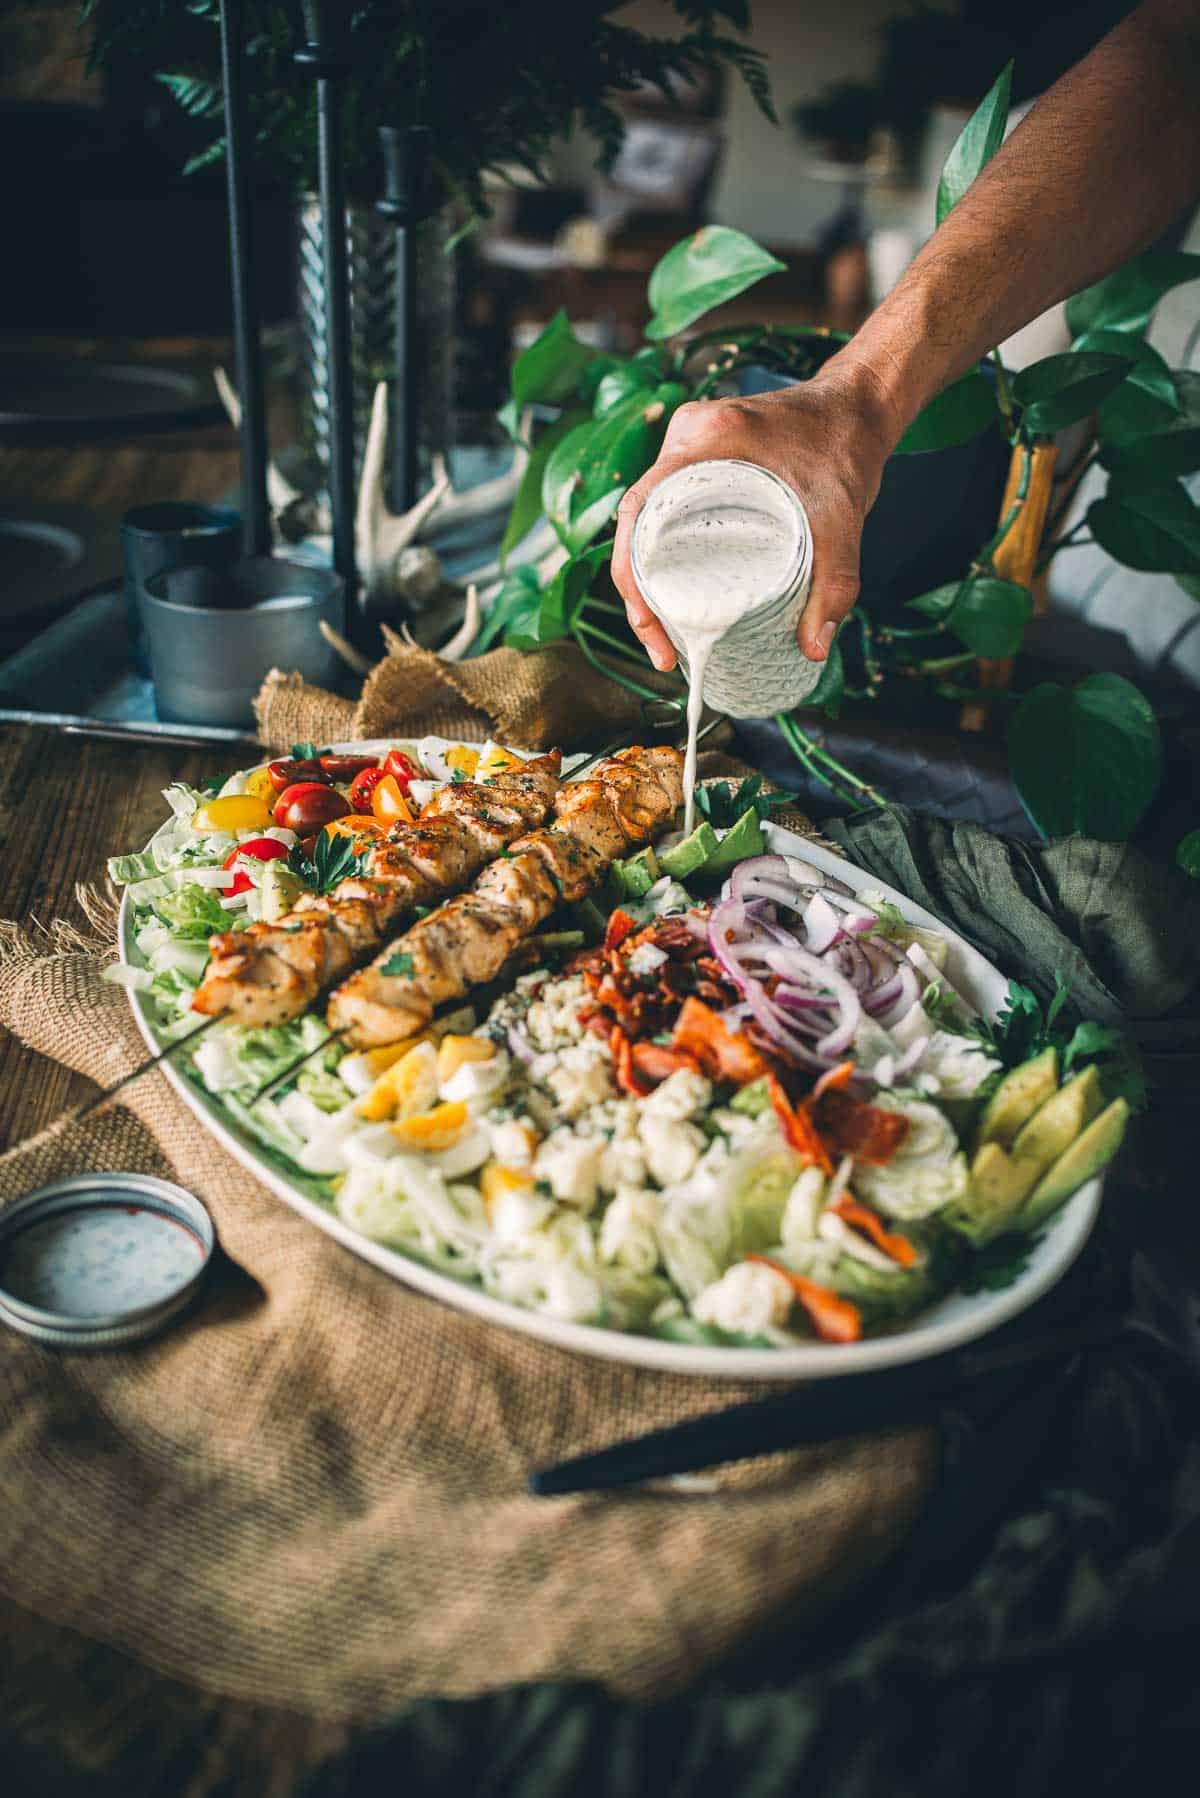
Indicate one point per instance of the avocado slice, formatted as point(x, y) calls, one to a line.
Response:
point(279, 891)
point(692, 854)
point(999, 1188)
point(634, 878)
point(1083, 1158)
point(1017, 1097)
point(1055, 1125)
point(588, 917)
point(737, 845)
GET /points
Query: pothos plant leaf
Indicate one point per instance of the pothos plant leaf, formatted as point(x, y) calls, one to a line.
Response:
point(1086, 758)
point(989, 615)
point(527, 506)
point(827, 695)
point(623, 383)
point(562, 601)
point(1187, 855)
point(1059, 390)
point(711, 266)
point(1149, 372)
point(938, 603)
point(1124, 300)
point(514, 609)
point(1165, 446)
point(986, 613)
point(977, 143)
point(1153, 525)
point(959, 413)
point(547, 372)
point(591, 467)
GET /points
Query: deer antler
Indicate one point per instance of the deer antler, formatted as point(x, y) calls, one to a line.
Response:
point(280, 491)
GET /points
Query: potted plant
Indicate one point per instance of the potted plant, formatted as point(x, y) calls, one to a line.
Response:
point(1085, 758)
point(494, 88)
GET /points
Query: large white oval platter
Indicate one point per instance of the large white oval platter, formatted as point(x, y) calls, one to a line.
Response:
point(945, 1325)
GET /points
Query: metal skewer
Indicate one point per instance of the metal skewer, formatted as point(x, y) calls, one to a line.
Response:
point(281, 1079)
point(143, 1067)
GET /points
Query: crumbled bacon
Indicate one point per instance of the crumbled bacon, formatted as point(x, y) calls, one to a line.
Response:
point(852, 1127)
point(700, 1033)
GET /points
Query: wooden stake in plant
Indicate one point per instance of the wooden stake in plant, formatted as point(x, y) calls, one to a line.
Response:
point(1027, 494)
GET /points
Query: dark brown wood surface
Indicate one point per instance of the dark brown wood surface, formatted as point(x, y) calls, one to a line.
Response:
point(66, 805)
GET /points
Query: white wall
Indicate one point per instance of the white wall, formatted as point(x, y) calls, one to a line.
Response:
point(761, 187)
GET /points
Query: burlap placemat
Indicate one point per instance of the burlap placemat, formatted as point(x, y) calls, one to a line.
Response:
point(538, 701)
point(310, 1493)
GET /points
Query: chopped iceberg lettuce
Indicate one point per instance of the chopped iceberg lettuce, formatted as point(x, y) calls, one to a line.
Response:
point(928, 1170)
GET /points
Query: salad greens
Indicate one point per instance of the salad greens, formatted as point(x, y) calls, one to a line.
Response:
point(595, 1164)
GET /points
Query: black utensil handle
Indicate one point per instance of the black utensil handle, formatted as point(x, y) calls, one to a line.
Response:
point(248, 348)
point(405, 169)
point(845, 1405)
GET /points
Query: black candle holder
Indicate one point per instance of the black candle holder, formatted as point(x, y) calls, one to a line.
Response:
point(405, 202)
point(321, 55)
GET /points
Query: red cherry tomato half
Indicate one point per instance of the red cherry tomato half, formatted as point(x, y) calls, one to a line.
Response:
point(343, 768)
point(263, 849)
point(307, 807)
point(402, 767)
point(362, 787)
point(287, 773)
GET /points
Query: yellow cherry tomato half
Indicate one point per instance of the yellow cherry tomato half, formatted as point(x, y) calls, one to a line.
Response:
point(259, 786)
point(236, 811)
point(353, 825)
point(389, 804)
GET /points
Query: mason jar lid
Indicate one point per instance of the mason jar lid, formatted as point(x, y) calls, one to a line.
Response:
point(101, 1259)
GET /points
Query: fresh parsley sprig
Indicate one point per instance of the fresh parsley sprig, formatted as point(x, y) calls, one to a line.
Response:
point(333, 858)
point(1024, 1028)
point(723, 804)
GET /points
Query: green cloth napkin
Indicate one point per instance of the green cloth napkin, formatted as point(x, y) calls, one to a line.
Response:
point(1041, 1622)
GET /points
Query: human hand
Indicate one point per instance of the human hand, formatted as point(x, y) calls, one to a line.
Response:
point(828, 438)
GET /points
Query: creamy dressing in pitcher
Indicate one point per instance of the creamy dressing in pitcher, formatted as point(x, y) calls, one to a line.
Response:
point(714, 543)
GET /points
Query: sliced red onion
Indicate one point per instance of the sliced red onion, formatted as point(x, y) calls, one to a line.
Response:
point(905, 999)
point(754, 871)
point(520, 1045)
point(822, 926)
point(882, 998)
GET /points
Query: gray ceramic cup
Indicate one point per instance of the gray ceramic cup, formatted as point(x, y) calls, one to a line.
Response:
point(214, 634)
point(163, 535)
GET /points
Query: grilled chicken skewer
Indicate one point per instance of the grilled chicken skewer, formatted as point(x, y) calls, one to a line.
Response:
point(271, 973)
point(466, 941)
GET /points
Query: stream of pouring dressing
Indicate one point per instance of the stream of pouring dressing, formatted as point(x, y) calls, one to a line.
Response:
point(707, 555)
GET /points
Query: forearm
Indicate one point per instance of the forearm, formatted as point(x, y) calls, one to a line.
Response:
point(1102, 165)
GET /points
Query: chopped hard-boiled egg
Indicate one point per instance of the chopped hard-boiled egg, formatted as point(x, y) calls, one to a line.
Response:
point(513, 1141)
point(494, 760)
point(463, 760)
point(497, 1179)
point(409, 1086)
point(433, 1130)
point(455, 1050)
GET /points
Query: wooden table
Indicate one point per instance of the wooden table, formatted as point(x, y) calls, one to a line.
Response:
point(66, 805)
